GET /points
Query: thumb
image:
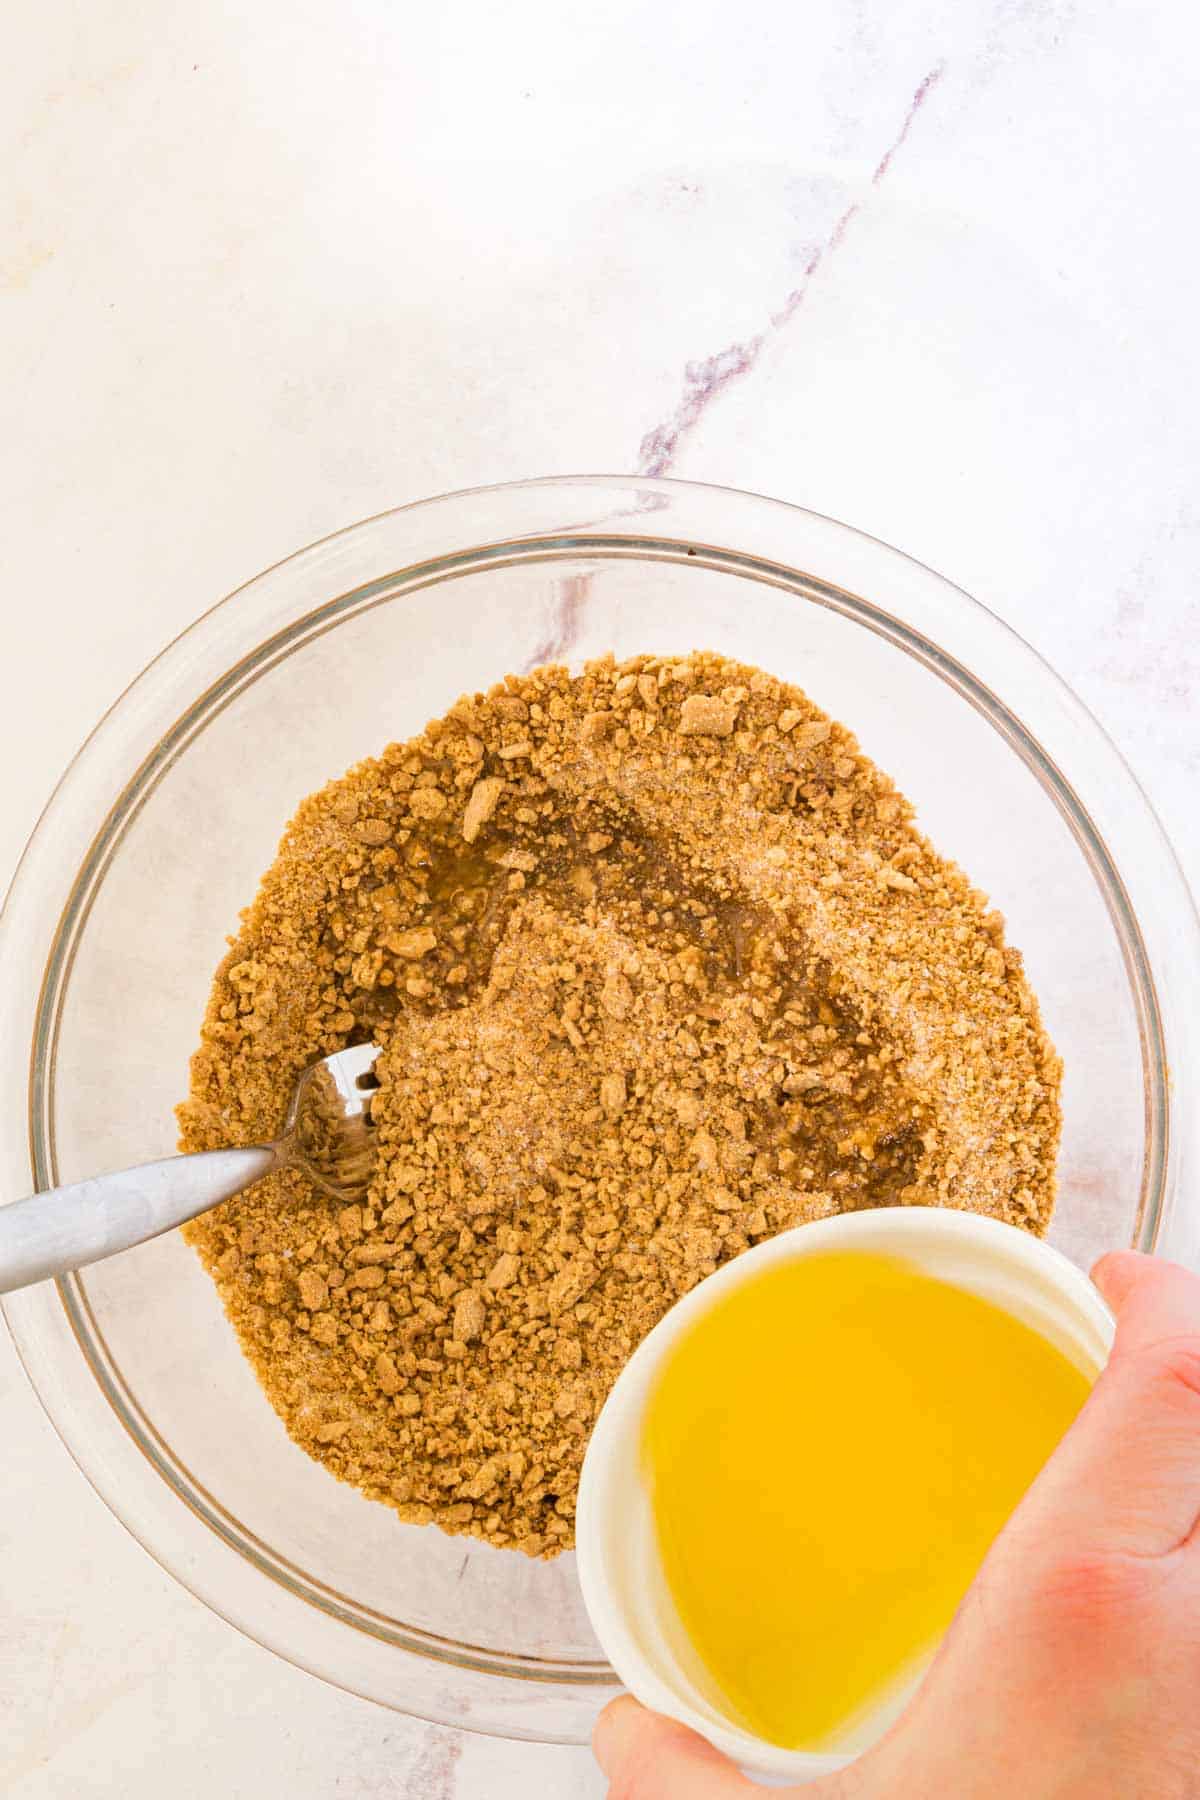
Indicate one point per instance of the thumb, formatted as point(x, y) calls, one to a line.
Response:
point(1155, 1301)
point(648, 1757)
point(1126, 1478)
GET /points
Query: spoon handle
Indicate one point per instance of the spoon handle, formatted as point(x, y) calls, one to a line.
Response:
point(68, 1227)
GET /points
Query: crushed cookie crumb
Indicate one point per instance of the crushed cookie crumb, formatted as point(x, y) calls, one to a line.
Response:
point(706, 715)
point(481, 805)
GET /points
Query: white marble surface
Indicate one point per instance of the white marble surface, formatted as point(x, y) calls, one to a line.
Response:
point(265, 270)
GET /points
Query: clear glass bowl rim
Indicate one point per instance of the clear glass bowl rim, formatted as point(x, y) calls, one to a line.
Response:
point(432, 540)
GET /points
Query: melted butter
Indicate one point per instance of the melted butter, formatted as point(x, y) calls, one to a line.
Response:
point(830, 1451)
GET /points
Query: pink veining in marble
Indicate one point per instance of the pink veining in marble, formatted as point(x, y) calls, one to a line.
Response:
point(434, 1774)
point(565, 622)
point(705, 379)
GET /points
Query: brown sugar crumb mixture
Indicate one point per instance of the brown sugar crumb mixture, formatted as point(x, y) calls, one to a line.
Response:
point(660, 966)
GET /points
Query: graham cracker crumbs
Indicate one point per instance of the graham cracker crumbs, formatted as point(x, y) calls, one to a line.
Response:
point(705, 715)
point(660, 965)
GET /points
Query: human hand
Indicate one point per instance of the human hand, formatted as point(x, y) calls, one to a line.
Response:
point(1072, 1669)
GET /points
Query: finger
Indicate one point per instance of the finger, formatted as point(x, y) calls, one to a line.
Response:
point(648, 1757)
point(1116, 1273)
point(1126, 1478)
point(1155, 1301)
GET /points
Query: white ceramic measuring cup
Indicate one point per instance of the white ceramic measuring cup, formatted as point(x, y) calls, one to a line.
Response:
point(623, 1586)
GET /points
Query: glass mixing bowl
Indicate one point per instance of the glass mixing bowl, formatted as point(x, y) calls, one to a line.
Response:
point(161, 828)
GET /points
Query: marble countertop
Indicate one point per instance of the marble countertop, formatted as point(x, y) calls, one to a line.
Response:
point(266, 271)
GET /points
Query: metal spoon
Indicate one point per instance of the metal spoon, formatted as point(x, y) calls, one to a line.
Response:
point(327, 1133)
